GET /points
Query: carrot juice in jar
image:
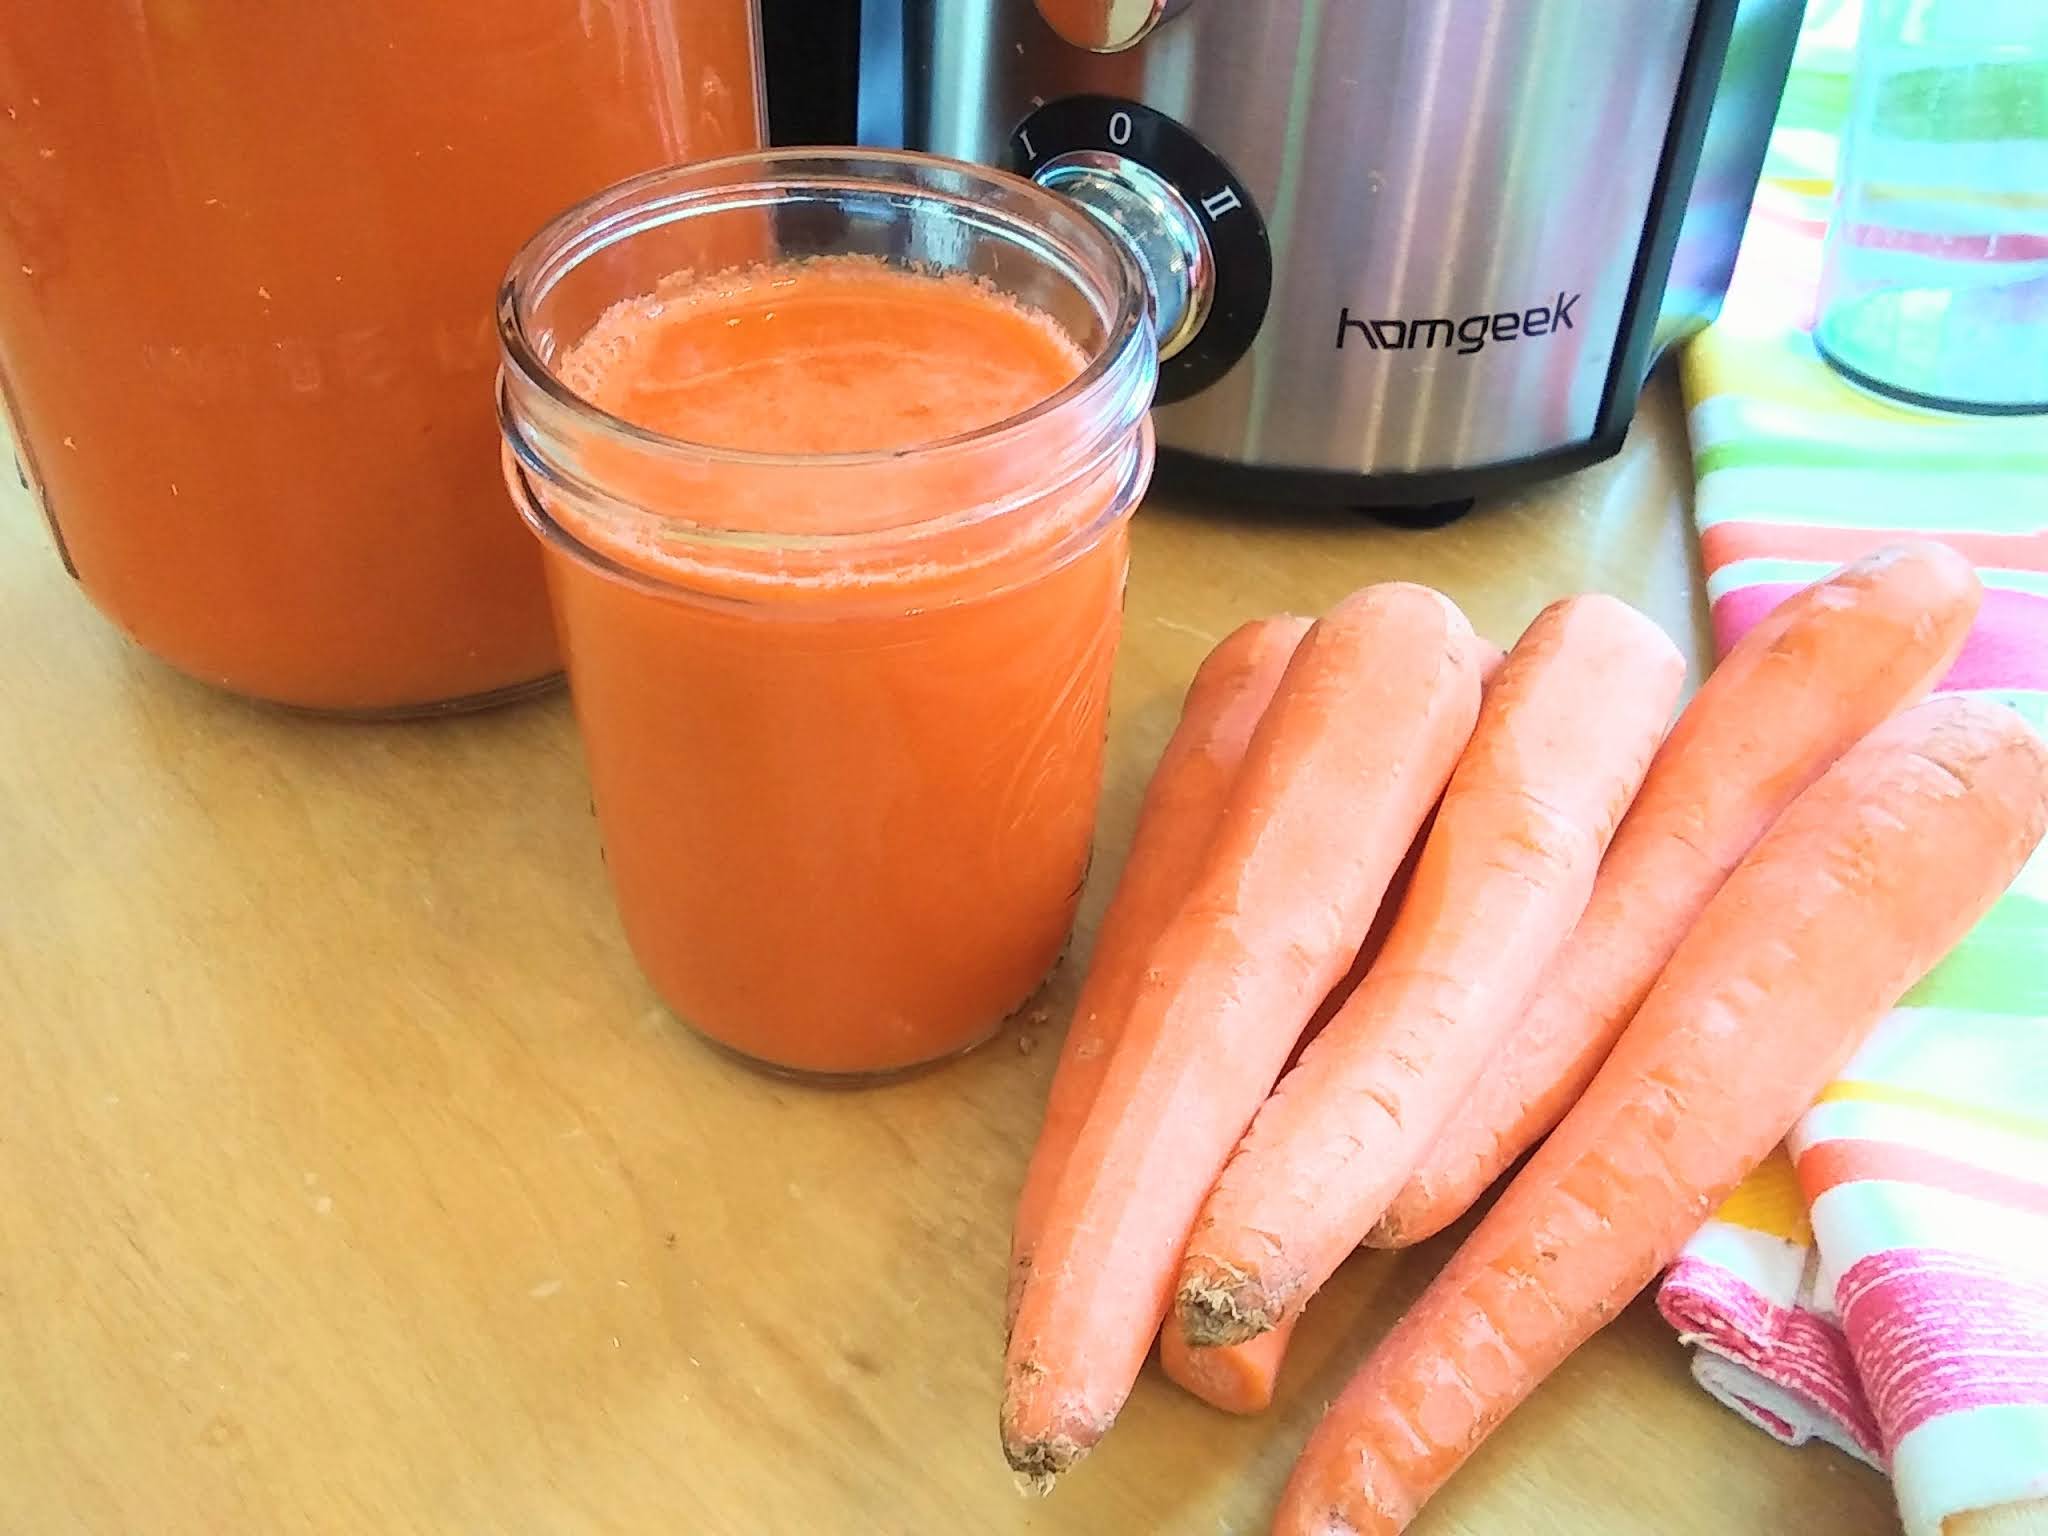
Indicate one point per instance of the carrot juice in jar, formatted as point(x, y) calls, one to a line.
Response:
point(832, 457)
point(247, 260)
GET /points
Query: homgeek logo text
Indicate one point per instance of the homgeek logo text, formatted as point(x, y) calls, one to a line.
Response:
point(1468, 335)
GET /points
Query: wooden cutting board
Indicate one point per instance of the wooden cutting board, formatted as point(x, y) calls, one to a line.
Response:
point(351, 1180)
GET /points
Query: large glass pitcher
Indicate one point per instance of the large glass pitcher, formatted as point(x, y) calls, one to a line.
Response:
point(248, 255)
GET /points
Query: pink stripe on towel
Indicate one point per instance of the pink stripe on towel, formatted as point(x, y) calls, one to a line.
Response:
point(1936, 1332)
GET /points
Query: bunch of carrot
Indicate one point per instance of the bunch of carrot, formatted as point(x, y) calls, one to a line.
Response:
point(1399, 909)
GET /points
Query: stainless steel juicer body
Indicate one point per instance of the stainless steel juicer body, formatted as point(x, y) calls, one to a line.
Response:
point(1446, 238)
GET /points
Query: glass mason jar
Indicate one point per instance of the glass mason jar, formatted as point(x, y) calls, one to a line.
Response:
point(247, 260)
point(1934, 280)
point(846, 777)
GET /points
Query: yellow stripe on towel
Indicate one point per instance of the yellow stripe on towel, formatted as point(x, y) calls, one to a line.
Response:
point(1769, 1201)
point(1855, 1091)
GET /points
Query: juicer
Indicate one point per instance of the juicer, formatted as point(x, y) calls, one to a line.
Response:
point(1404, 251)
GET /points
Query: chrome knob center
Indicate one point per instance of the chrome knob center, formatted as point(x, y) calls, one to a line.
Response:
point(1150, 216)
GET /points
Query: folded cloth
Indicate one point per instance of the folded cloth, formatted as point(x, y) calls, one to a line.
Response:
point(1883, 1283)
point(1765, 1342)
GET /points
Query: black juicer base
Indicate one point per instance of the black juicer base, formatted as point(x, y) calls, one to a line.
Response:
point(1425, 499)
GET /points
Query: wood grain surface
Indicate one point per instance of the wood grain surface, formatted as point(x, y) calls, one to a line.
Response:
point(351, 1179)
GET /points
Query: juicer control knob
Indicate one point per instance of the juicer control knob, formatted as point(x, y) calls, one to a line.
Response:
point(1157, 224)
point(1106, 26)
point(1192, 224)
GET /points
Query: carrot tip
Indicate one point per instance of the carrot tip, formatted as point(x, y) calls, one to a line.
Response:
point(1039, 1449)
point(1035, 1485)
point(1223, 1305)
point(1038, 1463)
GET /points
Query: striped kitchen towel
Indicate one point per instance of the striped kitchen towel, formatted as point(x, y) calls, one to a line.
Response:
point(1882, 1284)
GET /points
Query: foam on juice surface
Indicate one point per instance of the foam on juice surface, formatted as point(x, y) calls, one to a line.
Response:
point(807, 360)
point(832, 355)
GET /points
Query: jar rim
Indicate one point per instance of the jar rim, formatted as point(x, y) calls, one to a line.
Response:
point(671, 193)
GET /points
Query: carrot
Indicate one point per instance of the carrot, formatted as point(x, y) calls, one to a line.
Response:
point(1372, 712)
point(1796, 692)
point(1237, 1378)
point(1241, 1378)
point(1229, 693)
point(1491, 658)
point(1563, 739)
point(1867, 879)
